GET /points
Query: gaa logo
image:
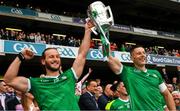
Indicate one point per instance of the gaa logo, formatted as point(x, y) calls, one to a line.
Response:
point(18, 47)
point(16, 11)
point(125, 57)
point(55, 17)
point(65, 51)
point(96, 54)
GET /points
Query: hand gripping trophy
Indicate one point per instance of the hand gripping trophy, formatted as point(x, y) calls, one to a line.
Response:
point(103, 19)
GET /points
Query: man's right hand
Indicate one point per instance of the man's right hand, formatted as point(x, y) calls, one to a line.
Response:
point(27, 53)
point(89, 24)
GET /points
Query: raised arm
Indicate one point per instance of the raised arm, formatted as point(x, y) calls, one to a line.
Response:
point(169, 100)
point(79, 62)
point(19, 83)
point(114, 64)
point(13, 69)
point(86, 76)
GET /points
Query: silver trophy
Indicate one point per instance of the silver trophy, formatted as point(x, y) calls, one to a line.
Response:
point(102, 17)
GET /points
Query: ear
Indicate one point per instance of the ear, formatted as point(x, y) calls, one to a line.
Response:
point(43, 61)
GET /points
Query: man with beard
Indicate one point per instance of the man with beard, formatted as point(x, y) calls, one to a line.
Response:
point(55, 91)
point(144, 86)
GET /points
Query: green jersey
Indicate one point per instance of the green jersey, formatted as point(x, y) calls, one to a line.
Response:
point(118, 104)
point(143, 88)
point(55, 93)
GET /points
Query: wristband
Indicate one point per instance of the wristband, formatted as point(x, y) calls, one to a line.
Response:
point(21, 57)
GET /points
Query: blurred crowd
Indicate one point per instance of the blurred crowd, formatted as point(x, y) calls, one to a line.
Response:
point(68, 40)
point(39, 38)
point(154, 50)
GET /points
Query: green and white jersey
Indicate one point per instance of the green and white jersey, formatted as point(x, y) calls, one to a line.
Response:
point(144, 88)
point(55, 93)
point(119, 104)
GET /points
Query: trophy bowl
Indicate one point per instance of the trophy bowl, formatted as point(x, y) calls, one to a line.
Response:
point(100, 15)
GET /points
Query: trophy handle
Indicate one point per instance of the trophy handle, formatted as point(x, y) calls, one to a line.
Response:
point(94, 30)
point(110, 19)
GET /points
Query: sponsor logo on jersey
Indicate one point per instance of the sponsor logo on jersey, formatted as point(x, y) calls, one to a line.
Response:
point(58, 79)
point(44, 80)
point(64, 77)
point(154, 75)
point(147, 74)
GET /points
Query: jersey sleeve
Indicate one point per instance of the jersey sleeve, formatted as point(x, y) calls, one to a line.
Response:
point(120, 70)
point(108, 105)
point(124, 72)
point(70, 73)
point(29, 85)
point(162, 86)
point(74, 73)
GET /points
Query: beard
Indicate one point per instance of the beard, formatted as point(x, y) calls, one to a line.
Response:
point(48, 66)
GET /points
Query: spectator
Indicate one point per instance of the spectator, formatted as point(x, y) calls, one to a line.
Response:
point(113, 46)
point(174, 83)
point(6, 35)
point(12, 35)
point(177, 53)
point(43, 41)
point(78, 42)
point(98, 81)
point(8, 98)
point(78, 88)
point(122, 49)
point(52, 40)
point(165, 75)
point(1, 34)
point(100, 45)
point(32, 37)
point(105, 97)
point(98, 92)
point(128, 47)
point(71, 41)
point(87, 100)
point(48, 39)
point(122, 102)
point(176, 96)
point(92, 44)
point(38, 38)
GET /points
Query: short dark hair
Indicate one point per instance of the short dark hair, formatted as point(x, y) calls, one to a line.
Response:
point(134, 47)
point(115, 86)
point(43, 53)
point(89, 81)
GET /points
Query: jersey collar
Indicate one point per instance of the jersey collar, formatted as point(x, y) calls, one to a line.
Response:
point(137, 70)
